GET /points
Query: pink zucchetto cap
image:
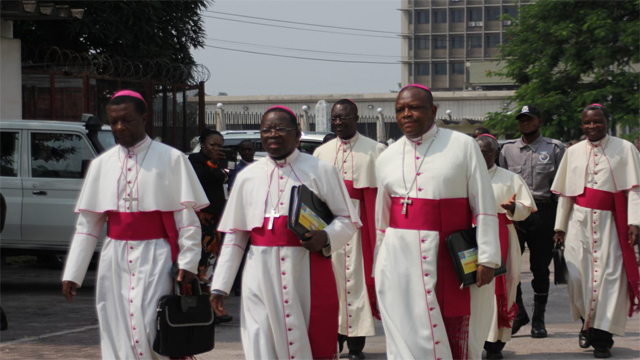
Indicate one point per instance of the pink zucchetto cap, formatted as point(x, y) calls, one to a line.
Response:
point(129, 93)
point(283, 108)
point(489, 135)
point(417, 86)
point(596, 104)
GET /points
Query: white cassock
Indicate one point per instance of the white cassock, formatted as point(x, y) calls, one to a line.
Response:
point(505, 184)
point(277, 304)
point(452, 186)
point(598, 283)
point(133, 274)
point(355, 160)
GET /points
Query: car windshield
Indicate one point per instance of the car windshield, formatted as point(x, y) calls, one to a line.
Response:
point(106, 139)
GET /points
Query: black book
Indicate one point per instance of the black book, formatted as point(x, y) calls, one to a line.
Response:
point(463, 247)
point(307, 212)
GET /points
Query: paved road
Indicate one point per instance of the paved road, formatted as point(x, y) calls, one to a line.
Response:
point(42, 325)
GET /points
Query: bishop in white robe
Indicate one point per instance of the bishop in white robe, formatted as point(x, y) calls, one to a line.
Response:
point(599, 184)
point(355, 155)
point(289, 307)
point(514, 202)
point(429, 186)
point(136, 257)
point(147, 193)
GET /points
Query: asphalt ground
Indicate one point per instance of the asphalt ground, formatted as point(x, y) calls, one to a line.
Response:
point(43, 325)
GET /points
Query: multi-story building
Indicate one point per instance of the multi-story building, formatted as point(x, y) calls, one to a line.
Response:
point(453, 44)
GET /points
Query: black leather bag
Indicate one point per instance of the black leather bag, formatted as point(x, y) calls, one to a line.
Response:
point(184, 324)
point(463, 248)
point(559, 265)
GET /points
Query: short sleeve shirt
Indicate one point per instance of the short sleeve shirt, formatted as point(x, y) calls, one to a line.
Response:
point(537, 163)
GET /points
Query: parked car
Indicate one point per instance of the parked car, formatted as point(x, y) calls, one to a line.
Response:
point(232, 138)
point(42, 166)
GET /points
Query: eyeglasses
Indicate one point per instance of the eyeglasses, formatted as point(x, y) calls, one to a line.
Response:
point(341, 119)
point(278, 130)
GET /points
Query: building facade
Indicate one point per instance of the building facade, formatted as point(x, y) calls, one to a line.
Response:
point(452, 44)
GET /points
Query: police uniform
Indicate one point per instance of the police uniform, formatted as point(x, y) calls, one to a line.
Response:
point(537, 164)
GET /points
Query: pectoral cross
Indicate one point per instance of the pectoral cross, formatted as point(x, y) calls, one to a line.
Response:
point(405, 202)
point(272, 216)
point(130, 199)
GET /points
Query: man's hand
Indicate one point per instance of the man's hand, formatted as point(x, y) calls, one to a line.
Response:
point(185, 277)
point(634, 233)
point(217, 304)
point(69, 290)
point(484, 275)
point(316, 240)
point(511, 205)
point(559, 236)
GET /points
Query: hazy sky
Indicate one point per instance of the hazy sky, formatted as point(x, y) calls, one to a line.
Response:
point(240, 73)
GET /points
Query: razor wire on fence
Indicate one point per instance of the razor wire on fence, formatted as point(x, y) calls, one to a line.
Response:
point(54, 59)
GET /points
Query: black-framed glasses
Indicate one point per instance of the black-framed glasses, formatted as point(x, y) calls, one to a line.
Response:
point(341, 119)
point(278, 130)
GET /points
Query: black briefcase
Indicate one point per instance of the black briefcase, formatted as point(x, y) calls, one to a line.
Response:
point(559, 265)
point(463, 248)
point(184, 324)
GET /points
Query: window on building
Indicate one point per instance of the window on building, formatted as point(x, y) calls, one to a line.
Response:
point(422, 43)
point(511, 11)
point(493, 40)
point(475, 41)
point(423, 69)
point(423, 16)
point(440, 16)
point(492, 13)
point(457, 16)
point(439, 42)
point(410, 70)
point(457, 42)
point(410, 18)
point(440, 68)
point(457, 68)
point(475, 14)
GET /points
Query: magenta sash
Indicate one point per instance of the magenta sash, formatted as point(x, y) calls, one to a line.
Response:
point(141, 226)
point(617, 204)
point(367, 198)
point(444, 216)
point(323, 319)
point(505, 315)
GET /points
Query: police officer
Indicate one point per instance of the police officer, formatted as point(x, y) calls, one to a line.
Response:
point(536, 159)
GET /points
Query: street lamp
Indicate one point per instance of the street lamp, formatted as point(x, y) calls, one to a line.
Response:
point(379, 110)
point(220, 105)
point(305, 108)
point(448, 113)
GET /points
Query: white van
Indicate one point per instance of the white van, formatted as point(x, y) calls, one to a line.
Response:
point(42, 166)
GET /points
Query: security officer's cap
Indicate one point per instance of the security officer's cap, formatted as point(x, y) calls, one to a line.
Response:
point(529, 110)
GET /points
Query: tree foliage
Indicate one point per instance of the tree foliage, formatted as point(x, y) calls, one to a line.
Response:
point(565, 55)
point(135, 30)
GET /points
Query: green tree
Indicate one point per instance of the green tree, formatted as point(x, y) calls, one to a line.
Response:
point(135, 30)
point(565, 55)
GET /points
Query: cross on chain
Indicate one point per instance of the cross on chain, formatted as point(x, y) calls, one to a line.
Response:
point(130, 199)
point(272, 216)
point(405, 202)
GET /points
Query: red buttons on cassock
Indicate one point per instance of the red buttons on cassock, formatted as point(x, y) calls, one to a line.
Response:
point(131, 247)
point(417, 157)
point(133, 275)
point(130, 261)
point(290, 329)
point(132, 314)
point(133, 288)
point(419, 143)
point(288, 315)
point(286, 301)
point(285, 287)
point(291, 343)
point(284, 273)
point(281, 177)
point(141, 354)
point(431, 308)
point(134, 328)
point(282, 258)
point(281, 203)
point(423, 240)
point(137, 341)
point(437, 342)
point(424, 258)
point(435, 326)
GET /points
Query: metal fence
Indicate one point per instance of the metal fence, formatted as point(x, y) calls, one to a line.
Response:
point(251, 121)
